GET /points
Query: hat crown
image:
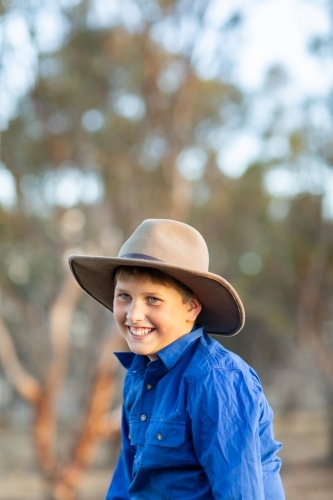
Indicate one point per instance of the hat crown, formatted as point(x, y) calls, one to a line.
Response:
point(169, 241)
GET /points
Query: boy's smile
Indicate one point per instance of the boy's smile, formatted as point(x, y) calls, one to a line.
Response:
point(151, 315)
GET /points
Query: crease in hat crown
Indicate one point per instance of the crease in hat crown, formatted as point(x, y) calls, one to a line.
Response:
point(169, 241)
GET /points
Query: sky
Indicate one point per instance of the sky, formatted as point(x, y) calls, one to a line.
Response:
point(278, 31)
point(274, 32)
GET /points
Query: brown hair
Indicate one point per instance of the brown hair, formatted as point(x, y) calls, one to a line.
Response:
point(155, 275)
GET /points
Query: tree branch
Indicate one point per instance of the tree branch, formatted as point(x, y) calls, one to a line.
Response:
point(25, 384)
point(61, 313)
point(96, 425)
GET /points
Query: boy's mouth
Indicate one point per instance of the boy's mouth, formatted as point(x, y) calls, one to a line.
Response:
point(140, 331)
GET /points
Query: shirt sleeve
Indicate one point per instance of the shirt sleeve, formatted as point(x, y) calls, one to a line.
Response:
point(232, 434)
point(271, 464)
point(122, 476)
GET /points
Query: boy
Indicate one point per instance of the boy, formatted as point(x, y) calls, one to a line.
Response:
point(196, 424)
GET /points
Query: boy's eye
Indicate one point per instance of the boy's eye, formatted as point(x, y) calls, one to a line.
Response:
point(124, 296)
point(153, 300)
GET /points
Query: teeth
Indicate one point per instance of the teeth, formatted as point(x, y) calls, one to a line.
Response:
point(140, 331)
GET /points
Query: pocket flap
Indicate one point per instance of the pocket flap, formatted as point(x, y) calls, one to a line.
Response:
point(169, 433)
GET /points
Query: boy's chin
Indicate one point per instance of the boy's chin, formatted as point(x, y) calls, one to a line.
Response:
point(142, 351)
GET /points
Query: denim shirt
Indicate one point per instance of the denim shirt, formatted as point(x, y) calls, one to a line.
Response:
point(196, 425)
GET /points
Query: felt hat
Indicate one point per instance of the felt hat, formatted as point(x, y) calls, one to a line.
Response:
point(178, 250)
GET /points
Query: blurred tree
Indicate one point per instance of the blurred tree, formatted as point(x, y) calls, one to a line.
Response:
point(114, 130)
point(119, 126)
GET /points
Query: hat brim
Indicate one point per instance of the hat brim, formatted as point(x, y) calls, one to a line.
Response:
point(222, 310)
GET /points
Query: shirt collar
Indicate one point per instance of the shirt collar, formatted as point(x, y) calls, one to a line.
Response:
point(172, 352)
point(169, 355)
point(132, 361)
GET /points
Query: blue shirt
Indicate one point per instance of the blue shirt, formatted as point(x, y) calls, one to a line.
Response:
point(196, 425)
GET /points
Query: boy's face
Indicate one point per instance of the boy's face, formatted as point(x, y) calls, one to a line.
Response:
point(151, 315)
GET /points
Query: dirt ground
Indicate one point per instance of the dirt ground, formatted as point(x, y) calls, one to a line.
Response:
point(304, 476)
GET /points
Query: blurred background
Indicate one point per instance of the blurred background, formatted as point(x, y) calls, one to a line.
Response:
point(217, 113)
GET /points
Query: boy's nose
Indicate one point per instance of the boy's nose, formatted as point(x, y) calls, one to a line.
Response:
point(135, 313)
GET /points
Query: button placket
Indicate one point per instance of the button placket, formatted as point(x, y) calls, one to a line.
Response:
point(148, 388)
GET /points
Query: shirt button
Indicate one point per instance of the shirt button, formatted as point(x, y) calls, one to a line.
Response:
point(159, 436)
point(129, 436)
point(149, 387)
point(143, 418)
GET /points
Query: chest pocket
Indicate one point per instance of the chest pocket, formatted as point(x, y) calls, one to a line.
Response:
point(167, 444)
point(166, 433)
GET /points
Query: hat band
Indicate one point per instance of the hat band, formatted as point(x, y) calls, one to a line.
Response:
point(139, 256)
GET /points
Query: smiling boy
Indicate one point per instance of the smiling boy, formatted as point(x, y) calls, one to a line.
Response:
point(196, 424)
point(151, 315)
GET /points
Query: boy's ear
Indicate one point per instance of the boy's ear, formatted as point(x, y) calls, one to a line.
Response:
point(194, 307)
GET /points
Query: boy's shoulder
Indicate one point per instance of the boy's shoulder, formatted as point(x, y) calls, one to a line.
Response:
point(210, 356)
point(213, 354)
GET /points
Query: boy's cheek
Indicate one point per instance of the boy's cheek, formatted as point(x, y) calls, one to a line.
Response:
point(117, 312)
